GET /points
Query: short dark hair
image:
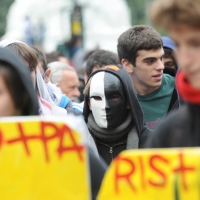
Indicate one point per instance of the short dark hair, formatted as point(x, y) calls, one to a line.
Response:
point(41, 58)
point(139, 37)
point(54, 56)
point(100, 58)
point(168, 52)
point(16, 88)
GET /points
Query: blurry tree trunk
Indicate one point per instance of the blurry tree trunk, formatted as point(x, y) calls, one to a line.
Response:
point(139, 10)
point(139, 13)
point(4, 6)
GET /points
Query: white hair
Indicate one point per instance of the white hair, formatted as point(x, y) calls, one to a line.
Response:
point(56, 70)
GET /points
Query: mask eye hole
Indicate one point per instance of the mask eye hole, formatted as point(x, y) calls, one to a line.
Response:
point(97, 98)
point(114, 97)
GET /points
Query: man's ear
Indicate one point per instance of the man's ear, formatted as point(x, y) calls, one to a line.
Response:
point(47, 77)
point(48, 73)
point(89, 105)
point(127, 65)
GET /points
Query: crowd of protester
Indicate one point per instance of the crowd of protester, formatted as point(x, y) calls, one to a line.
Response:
point(144, 97)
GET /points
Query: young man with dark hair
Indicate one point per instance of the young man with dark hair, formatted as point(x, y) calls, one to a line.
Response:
point(140, 50)
point(182, 21)
point(98, 59)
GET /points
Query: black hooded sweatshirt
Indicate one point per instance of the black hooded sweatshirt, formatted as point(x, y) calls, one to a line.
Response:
point(174, 103)
point(7, 56)
point(109, 150)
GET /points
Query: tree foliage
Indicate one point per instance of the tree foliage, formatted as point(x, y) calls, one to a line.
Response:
point(139, 11)
point(4, 6)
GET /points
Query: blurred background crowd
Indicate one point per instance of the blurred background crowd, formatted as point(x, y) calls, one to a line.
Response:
point(70, 30)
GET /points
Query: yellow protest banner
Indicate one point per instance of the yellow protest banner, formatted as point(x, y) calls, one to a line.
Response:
point(42, 159)
point(153, 174)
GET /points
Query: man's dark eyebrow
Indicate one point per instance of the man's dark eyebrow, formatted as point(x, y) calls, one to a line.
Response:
point(152, 58)
point(149, 58)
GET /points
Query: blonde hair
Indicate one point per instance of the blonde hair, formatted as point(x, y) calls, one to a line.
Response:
point(171, 14)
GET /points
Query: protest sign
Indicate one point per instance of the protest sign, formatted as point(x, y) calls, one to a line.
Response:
point(153, 174)
point(42, 159)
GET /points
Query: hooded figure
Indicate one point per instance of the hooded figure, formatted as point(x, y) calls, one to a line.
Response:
point(171, 68)
point(113, 113)
point(16, 77)
point(170, 63)
point(46, 104)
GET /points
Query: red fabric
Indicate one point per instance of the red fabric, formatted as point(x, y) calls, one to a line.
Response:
point(185, 90)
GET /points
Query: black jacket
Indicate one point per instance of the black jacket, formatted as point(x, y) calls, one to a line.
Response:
point(174, 103)
point(179, 129)
point(105, 149)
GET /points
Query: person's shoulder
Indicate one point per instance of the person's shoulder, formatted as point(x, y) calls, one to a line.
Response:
point(168, 79)
point(168, 83)
point(169, 129)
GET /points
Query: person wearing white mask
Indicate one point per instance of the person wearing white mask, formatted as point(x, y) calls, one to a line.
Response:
point(112, 112)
